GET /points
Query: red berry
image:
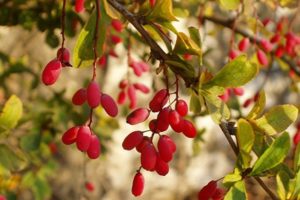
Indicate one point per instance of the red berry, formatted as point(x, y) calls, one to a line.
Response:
point(163, 119)
point(117, 25)
point(69, 137)
point(132, 96)
point(93, 94)
point(172, 145)
point(207, 191)
point(159, 100)
point(94, 149)
point(152, 3)
point(113, 53)
point(164, 149)
point(244, 44)
point(153, 126)
point(266, 21)
point(174, 118)
point(137, 116)
point(109, 105)
point(275, 38)
point(83, 139)
point(51, 72)
point(138, 184)
point(238, 91)
point(148, 157)
point(247, 102)
point(189, 129)
point(79, 97)
point(262, 58)
point(136, 68)
point(52, 147)
point(142, 144)
point(226, 96)
point(132, 140)
point(2, 197)
point(181, 107)
point(123, 84)
point(89, 186)
point(219, 194)
point(144, 66)
point(187, 56)
point(63, 55)
point(161, 167)
point(266, 45)
point(279, 51)
point(233, 54)
point(122, 97)
point(141, 87)
point(79, 5)
point(296, 138)
point(102, 61)
point(115, 39)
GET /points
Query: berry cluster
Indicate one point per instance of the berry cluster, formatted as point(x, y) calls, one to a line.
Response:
point(211, 191)
point(228, 92)
point(156, 157)
point(52, 70)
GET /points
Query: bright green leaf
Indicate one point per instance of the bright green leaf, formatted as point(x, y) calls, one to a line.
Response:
point(236, 73)
point(273, 156)
point(258, 107)
point(10, 159)
point(237, 191)
point(231, 178)
point(162, 11)
point(184, 45)
point(11, 113)
point(83, 54)
point(278, 119)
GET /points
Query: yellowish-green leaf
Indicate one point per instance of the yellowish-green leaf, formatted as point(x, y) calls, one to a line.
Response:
point(282, 181)
point(10, 159)
point(297, 158)
point(11, 114)
point(258, 107)
point(184, 45)
point(288, 3)
point(230, 4)
point(278, 119)
point(195, 104)
point(231, 178)
point(273, 155)
point(237, 191)
point(236, 73)
point(245, 140)
point(162, 11)
point(179, 12)
point(83, 54)
point(111, 11)
point(296, 189)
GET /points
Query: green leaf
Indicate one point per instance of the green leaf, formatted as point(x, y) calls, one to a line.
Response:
point(30, 142)
point(10, 159)
point(11, 113)
point(195, 105)
point(184, 45)
point(111, 11)
point(282, 181)
point(297, 158)
point(230, 4)
point(231, 178)
point(245, 139)
point(237, 191)
point(162, 11)
point(296, 192)
point(236, 73)
point(273, 156)
point(278, 119)
point(258, 107)
point(83, 54)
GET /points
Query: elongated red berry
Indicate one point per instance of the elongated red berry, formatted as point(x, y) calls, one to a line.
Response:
point(153, 126)
point(161, 167)
point(136, 68)
point(266, 45)
point(247, 102)
point(109, 105)
point(159, 100)
point(93, 94)
point(122, 97)
point(238, 91)
point(152, 3)
point(233, 54)
point(51, 72)
point(171, 143)
point(174, 118)
point(102, 61)
point(69, 137)
point(117, 25)
point(262, 58)
point(79, 97)
point(226, 96)
point(244, 44)
point(144, 66)
point(219, 194)
point(163, 119)
point(79, 5)
point(115, 39)
point(279, 51)
point(83, 139)
point(181, 107)
point(123, 84)
point(137, 116)
point(132, 140)
point(89, 186)
point(275, 38)
point(94, 149)
point(146, 140)
point(141, 87)
point(187, 56)
point(148, 157)
point(63, 55)
point(132, 96)
point(138, 184)
point(207, 191)
point(189, 129)
point(164, 149)
point(296, 138)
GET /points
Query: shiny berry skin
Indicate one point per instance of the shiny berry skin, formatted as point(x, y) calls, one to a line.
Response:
point(171, 143)
point(132, 96)
point(115, 39)
point(121, 97)
point(83, 139)
point(137, 116)
point(296, 138)
point(102, 61)
point(181, 107)
point(93, 94)
point(189, 129)
point(266, 45)
point(148, 157)
point(163, 119)
point(164, 149)
point(279, 51)
point(79, 97)
point(89, 186)
point(51, 72)
point(233, 54)
point(275, 38)
point(174, 118)
point(262, 58)
point(79, 6)
point(109, 105)
point(132, 140)
point(146, 140)
point(207, 191)
point(161, 167)
point(123, 84)
point(63, 55)
point(138, 184)
point(94, 149)
point(159, 100)
point(117, 25)
point(69, 137)
point(153, 126)
point(244, 44)
point(152, 3)
point(141, 87)
point(238, 91)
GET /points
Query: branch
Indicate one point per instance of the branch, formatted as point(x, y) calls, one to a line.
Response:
point(229, 23)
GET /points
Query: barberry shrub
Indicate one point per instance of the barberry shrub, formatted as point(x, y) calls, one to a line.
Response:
point(184, 87)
